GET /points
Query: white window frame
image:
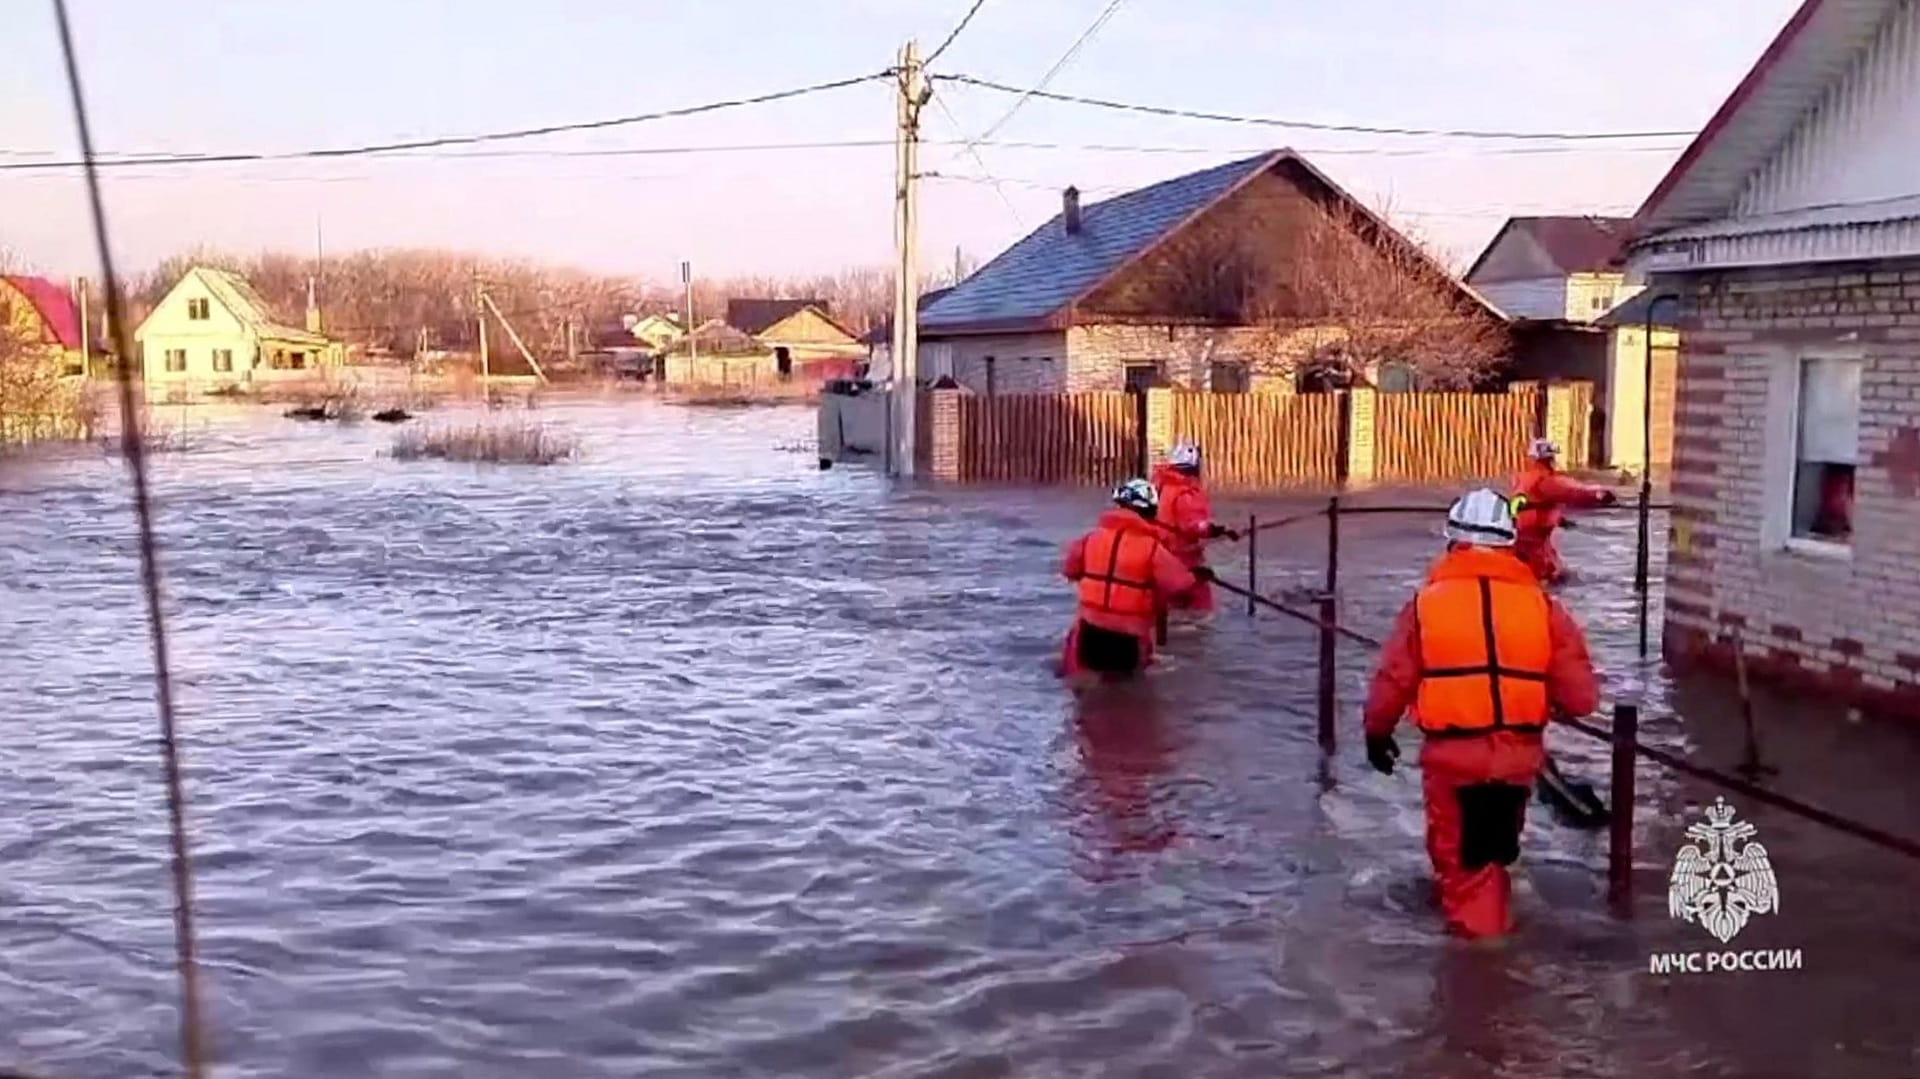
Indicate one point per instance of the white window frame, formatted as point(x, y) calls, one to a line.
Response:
point(1783, 440)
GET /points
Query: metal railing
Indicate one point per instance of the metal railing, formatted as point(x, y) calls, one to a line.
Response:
point(1622, 735)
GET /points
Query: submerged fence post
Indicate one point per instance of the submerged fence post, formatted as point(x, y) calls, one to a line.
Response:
point(1328, 669)
point(1253, 562)
point(1626, 733)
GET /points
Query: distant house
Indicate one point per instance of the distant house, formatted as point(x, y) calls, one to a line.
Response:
point(657, 331)
point(1563, 282)
point(1146, 288)
point(1789, 231)
point(43, 316)
point(879, 340)
point(765, 341)
point(213, 331)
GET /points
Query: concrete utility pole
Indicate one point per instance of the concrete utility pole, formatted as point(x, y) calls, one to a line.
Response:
point(915, 92)
point(480, 319)
point(686, 282)
point(525, 352)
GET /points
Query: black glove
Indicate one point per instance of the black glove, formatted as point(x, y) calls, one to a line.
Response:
point(1608, 498)
point(1215, 531)
point(1382, 751)
point(1204, 573)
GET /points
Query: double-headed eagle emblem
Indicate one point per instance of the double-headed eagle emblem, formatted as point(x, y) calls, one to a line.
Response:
point(1723, 878)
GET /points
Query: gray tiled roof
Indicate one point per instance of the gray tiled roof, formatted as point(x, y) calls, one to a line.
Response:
point(1050, 269)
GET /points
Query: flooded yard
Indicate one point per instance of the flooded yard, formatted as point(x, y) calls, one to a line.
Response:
point(687, 759)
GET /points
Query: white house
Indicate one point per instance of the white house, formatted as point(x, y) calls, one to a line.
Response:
point(213, 331)
point(1789, 231)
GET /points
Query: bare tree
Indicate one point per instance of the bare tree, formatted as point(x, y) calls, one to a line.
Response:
point(1332, 292)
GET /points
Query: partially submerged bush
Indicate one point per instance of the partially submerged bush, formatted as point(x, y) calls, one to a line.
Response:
point(341, 403)
point(492, 442)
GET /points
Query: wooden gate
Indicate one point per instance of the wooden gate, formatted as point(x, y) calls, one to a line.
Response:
point(1429, 437)
point(1263, 440)
point(1082, 438)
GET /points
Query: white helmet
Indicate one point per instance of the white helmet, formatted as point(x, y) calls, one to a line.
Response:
point(1542, 449)
point(1185, 455)
point(1481, 518)
point(1137, 495)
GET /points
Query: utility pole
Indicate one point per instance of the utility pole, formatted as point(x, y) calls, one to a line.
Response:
point(914, 95)
point(686, 282)
point(480, 319)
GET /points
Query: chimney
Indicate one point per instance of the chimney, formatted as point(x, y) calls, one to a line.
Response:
point(1070, 210)
point(313, 309)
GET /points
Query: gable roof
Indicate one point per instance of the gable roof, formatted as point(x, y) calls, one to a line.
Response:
point(55, 305)
point(238, 296)
point(756, 316)
point(1814, 49)
point(1035, 284)
point(1574, 244)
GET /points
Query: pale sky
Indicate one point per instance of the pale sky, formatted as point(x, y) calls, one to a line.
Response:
point(275, 75)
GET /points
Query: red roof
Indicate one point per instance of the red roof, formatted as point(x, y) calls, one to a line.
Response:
point(1575, 244)
point(54, 304)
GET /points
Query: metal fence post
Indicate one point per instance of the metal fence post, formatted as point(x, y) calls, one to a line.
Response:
point(1626, 733)
point(1328, 668)
point(1253, 562)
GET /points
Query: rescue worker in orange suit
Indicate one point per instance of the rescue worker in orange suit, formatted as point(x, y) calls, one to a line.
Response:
point(1541, 492)
point(1125, 575)
point(1480, 660)
point(1187, 515)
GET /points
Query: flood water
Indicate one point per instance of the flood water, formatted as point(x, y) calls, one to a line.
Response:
point(688, 759)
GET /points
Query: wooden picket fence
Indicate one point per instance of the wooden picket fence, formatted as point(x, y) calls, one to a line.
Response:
point(1424, 437)
point(1252, 441)
point(1082, 438)
point(1263, 440)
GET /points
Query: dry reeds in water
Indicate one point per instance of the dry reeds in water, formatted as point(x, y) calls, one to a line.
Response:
point(505, 442)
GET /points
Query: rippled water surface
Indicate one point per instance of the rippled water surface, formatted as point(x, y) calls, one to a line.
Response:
point(691, 760)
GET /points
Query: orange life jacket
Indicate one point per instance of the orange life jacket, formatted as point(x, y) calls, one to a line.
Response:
point(1118, 577)
point(1485, 644)
point(1537, 513)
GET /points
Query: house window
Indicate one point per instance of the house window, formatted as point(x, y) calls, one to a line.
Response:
point(1227, 377)
point(223, 359)
point(297, 360)
point(992, 379)
point(1394, 378)
point(1826, 448)
point(176, 360)
point(198, 309)
point(1143, 376)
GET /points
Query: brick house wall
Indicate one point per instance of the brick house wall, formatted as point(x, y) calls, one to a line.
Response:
point(1022, 363)
point(1843, 623)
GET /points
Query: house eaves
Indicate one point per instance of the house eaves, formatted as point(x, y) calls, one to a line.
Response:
point(1817, 46)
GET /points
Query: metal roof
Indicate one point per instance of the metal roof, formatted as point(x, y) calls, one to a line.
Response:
point(1574, 244)
point(1813, 50)
point(237, 295)
point(55, 305)
point(1034, 284)
point(1035, 279)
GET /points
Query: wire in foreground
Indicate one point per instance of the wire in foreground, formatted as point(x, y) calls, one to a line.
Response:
point(192, 1033)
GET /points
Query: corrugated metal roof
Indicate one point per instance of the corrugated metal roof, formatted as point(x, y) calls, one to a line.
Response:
point(237, 294)
point(1046, 271)
point(54, 304)
point(756, 316)
point(1813, 50)
point(1574, 244)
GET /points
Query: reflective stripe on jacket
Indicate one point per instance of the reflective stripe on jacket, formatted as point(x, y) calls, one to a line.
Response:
point(1118, 577)
point(1485, 646)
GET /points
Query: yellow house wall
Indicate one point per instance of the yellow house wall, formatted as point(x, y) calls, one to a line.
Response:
point(719, 370)
point(1626, 394)
point(168, 327)
point(806, 327)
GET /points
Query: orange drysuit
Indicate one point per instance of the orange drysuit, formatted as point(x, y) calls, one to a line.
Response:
point(1125, 575)
point(1187, 516)
point(1480, 659)
point(1548, 491)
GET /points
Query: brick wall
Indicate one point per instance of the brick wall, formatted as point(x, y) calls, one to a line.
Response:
point(1022, 363)
point(1848, 627)
point(1098, 356)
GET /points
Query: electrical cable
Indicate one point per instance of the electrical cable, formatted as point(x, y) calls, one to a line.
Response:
point(948, 43)
point(133, 442)
point(1306, 125)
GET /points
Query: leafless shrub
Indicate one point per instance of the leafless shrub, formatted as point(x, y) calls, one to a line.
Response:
point(37, 404)
point(489, 442)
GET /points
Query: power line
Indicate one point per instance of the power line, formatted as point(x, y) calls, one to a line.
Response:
point(458, 140)
point(974, 151)
point(1039, 88)
point(1306, 125)
point(964, 20)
